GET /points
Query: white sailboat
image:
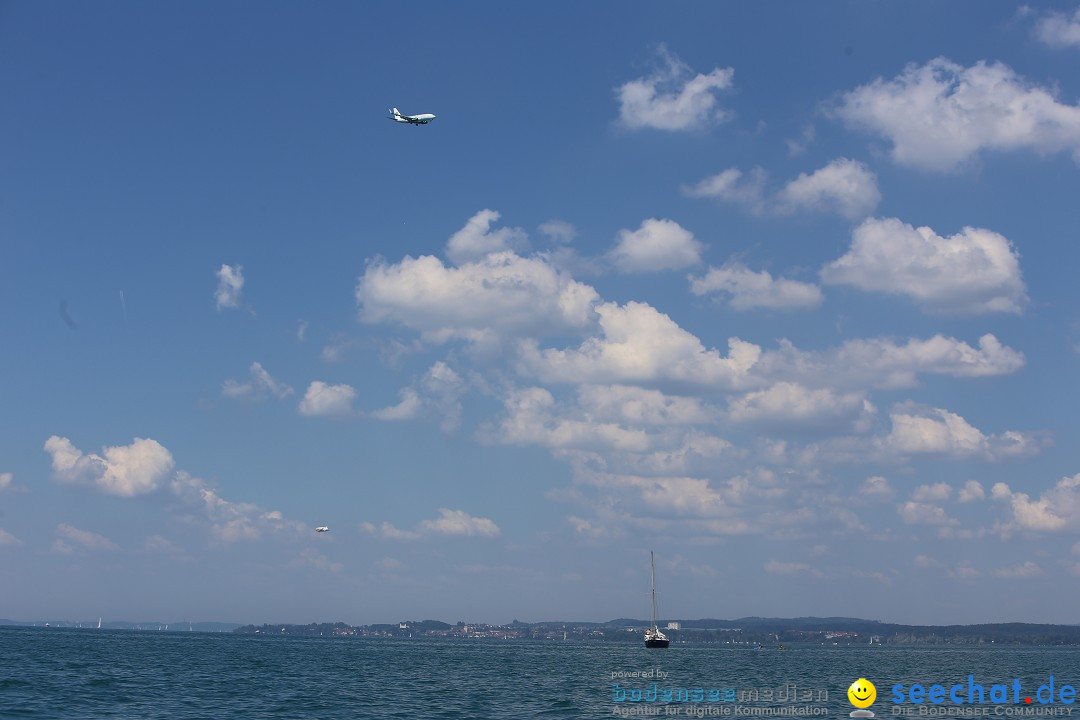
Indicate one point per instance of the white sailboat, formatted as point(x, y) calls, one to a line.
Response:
point(653, 637)
point(99, 623)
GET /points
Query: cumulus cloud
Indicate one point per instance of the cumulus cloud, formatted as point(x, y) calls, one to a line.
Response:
point(257, 387)
point(640, 344)
point(941, 114)
point(230, 284)
point(730, 186)
point(323, 399)
point(146, 466)
point(639, 406)
point(477, 239)
point(125, 470)
point(885, 363)
point(975, 271)
point(459, 522)
point(937, 431)
point(656, 245)
point(449, 522)
point(789, 404)
point(875, 487)
point(230, 521)
point(917, 513)
point(846, 187)
point(1058, 29)
point(531, 418)
point(749, 289)
point(408, 409)
point(1056, 509)
point(673, 98)
point(938, 492)
point(972, 491)
point(478, 301)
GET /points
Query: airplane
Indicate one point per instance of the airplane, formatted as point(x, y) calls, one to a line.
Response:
point(322, 528)
point(410, 119)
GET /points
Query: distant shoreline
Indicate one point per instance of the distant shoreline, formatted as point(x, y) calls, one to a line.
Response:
point(767, 632)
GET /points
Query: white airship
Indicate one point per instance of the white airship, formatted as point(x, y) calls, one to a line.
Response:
point(410, 119)
point(322, 528)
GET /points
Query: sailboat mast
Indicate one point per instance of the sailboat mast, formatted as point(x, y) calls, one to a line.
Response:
point(652, 577)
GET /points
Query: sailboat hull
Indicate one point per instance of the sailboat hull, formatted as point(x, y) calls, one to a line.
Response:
point(652, 643)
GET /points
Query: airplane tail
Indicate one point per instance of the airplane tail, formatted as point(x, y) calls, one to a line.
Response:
point(395, 111)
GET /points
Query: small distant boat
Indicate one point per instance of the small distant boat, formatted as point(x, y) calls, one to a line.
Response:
point(653, 637)
point(99, 623)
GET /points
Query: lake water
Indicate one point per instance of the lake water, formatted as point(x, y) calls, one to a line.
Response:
point(87, 674)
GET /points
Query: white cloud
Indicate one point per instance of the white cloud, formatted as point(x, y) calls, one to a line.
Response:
point(440, 395)
point(230, 284)
point(937, 431)
point(641, 344)
point(1028, 569)
point(656, 245)
point(323, 399)
point(408, 409)
point(9, 540)
point(844, 186)
point(938, 492)
point(749, 289)
point(626, 403)
point(972, 491)
point(884, 363)
point(459, 522)
point(975, 271)
point(670, 99)
point(125, 470)
point(230, 521)
point(939, 115)
point(5, 481)
point(478, 301)
point(916, 513)
point(261, 383)
point(730, 187)
point(1058, 29)
point(875, 487)
point(788, 403)
point(87, 539)
point(1056, 509)
point(477, 239)
point(449, 522)
point(532, 418)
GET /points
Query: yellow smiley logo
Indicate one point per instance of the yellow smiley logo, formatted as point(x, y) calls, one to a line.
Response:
point(862, 693)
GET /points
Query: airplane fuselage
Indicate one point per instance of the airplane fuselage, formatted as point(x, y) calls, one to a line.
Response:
point(422, 119)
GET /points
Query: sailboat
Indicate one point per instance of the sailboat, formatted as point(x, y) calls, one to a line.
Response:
point(653, 637)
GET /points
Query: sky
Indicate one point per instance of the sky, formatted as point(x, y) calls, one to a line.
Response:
point(783, 292)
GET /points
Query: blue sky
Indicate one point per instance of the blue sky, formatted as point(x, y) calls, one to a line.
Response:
point(783, 292)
